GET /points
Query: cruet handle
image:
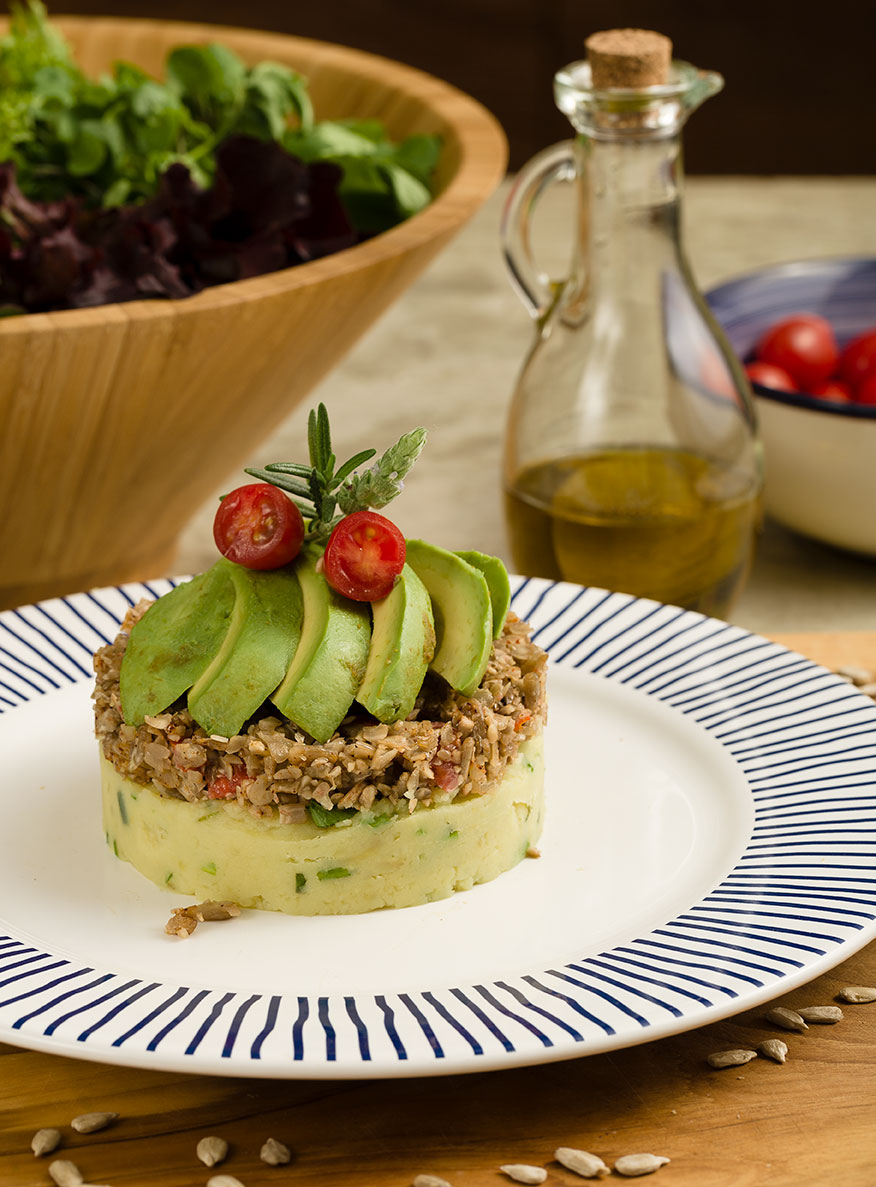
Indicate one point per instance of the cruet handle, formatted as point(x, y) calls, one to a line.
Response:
point(536, 289)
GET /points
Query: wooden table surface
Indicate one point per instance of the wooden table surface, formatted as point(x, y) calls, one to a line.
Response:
point(808, 1122)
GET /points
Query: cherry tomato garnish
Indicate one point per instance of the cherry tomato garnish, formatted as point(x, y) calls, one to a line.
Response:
point(259, 527)
point(859, 359)
point(770, 376)
point(866, 393)
point(804, 345)
point(832, 389)
point(364, 555)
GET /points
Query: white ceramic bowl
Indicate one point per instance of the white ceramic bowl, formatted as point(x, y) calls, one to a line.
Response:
point(820, 455)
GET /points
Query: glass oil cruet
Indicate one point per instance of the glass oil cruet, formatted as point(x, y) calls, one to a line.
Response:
point(631, 454)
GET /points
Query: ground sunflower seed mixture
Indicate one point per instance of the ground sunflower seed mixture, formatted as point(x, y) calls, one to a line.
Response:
point(450, 745)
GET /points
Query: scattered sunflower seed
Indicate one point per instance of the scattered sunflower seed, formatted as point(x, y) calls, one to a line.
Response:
point(588, 1166)
point(639, 1164)
point(44, 1141)
point(855, 675)
point(857, 994)
point(825, 1015)
point(275, 1153)
point(65, 1173)
point(184, 920)
point(224, 1181)
point(774, 1049)
point(92, 1122)
point(212, 1150)
point(214, 912)
point(787, 1019)
point(521, 1173)
point(180, 924)
point(430, 1181)
point(735, 1058)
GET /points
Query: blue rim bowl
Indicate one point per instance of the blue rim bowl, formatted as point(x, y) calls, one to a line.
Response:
point(840, 289)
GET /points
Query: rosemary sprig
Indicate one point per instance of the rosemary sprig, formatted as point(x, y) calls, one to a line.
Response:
point(325, 495)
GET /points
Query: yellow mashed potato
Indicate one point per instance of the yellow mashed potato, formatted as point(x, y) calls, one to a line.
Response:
point(217, 850)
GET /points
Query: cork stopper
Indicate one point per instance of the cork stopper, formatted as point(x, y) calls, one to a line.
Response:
point(628, 58)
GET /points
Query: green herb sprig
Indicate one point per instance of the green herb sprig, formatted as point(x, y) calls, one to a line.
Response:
point(325, 495)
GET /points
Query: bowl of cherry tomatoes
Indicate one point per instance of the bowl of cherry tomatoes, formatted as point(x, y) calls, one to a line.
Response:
point(806, 334)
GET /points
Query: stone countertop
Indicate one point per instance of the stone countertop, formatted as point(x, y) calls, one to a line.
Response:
point(447, 354)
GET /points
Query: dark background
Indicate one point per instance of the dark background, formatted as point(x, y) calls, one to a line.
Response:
point(801, 78)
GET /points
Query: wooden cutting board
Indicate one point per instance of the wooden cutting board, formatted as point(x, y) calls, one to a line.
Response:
point(808, 1122)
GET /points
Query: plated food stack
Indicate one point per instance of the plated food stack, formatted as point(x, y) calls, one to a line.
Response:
point(331, 719)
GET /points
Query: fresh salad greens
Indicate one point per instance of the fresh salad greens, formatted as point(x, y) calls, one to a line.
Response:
point(125, 140)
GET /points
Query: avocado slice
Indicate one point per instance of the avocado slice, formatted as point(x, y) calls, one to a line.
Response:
point(497, 583)
point(172, 644)
point(402, 646)
point(260, 639)
point(329, 662)
point(463, 614)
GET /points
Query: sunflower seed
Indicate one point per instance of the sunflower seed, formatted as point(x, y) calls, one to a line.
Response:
point(773, 1049)
point(180, 924)
point(44, 1141)
point(855, 674)
point(430, 1181)
point(274, 1153)
point(213, 912)
point(588, 1166)
point(787, 1019)
point(823, 1014)
point(734, 1058)
point(521, 1173)
point(92, 1122)
point(639, 1164)
point(869, 690)
point(857, 994)
point(65, 1173)
point(212, 1150)
point(224, 1181)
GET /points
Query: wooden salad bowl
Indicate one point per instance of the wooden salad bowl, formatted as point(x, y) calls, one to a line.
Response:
point(117, 422)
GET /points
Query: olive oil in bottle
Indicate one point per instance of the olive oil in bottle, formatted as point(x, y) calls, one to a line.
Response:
point(632, 460)
point(658, 523)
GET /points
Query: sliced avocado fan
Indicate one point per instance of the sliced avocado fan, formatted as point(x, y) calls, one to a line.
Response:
point(463, 614)
point(402, 646)
point(497, 582)
point(172, 644)
point(262, 636)
point(329, 663)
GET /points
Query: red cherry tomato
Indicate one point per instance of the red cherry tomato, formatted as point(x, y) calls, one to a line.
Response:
point(259, 527)
point(804, 345)
point(363, 557)
point(859, 359)
point(866, 393)
point(833, 389)
point(770, 376)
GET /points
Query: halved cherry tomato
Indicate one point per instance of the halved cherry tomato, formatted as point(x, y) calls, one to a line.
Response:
point(259, 527)
point(804, 345)
point(858, 360)
point(866, 393)
point(833, 389)
point(364, 555)
point(770, 376)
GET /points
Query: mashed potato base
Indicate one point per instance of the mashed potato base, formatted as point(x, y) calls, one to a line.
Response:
point(217, 850)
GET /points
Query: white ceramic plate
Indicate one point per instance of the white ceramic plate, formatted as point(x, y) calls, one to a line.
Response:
point(710, 843)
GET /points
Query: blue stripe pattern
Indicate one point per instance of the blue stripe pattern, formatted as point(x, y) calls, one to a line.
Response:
point(804, 887)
